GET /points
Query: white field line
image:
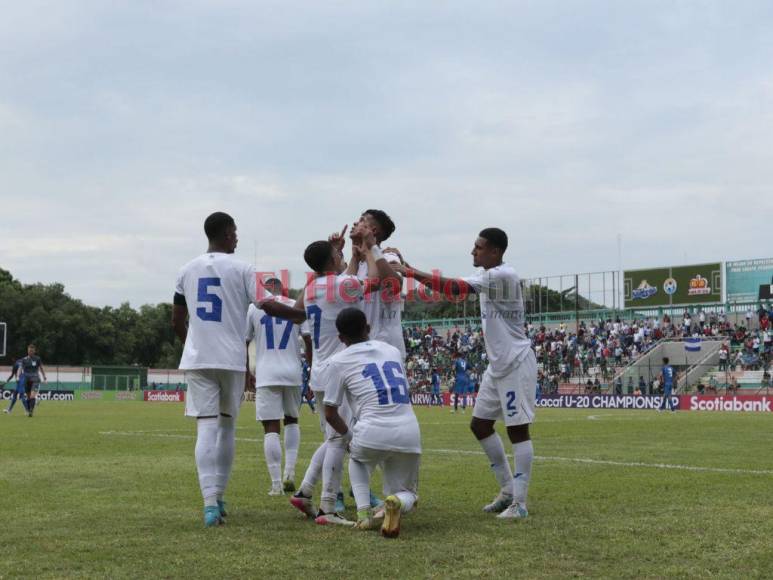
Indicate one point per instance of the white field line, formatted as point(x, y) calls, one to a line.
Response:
point(581, 460)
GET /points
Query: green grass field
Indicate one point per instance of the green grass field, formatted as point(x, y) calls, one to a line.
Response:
point(108, 489)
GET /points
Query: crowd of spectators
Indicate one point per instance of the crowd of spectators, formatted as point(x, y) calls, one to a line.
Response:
point(592, 354)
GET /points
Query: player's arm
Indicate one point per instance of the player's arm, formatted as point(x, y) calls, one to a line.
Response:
point(308, 352)
point(334, 396)
point(335, 421)
point(43, 372)
point(180, 317)
point(454, 286)
point(279, 310)
point(380, 271)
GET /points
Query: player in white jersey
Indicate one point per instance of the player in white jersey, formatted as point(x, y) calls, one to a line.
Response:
point(278, 379)
point(508, 388)
point(369, 374)
point(211, 298)
point(327, 294)
point(382, 308)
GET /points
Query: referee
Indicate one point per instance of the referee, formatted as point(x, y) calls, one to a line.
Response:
point(32, 367)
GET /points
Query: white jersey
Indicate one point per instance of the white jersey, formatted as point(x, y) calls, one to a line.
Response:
point(372, 378)
point(218, 289)
point(277, 350)
point(502, 315)
point(384, 317)
point(324, 299)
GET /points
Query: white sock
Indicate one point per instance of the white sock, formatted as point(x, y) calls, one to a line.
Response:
point(500, 465)
point(524, 454)
point(407, 499)
point(332, 474)
point(206, 458)
point(226, 443)
point(292, 442)
point(359, 476)
point(272, 449)
point(314, 471)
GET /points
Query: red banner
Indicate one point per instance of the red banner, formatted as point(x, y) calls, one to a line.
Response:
point(164, 396)
point(731, 404)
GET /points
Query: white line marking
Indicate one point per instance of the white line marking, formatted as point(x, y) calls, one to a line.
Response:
point(582, 460)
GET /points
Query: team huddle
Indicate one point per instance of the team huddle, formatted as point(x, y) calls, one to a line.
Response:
point(348, 318)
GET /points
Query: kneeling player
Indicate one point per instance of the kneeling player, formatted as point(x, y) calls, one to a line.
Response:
point(371, 376)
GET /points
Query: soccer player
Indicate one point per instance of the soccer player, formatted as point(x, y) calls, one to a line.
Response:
point(370, 375)
point(461, 383)
point(436, 398)
point(212, 296)
point(667, 378)
point(32, 368)
point(278, 378)
point(19, 392)
point(508, 386)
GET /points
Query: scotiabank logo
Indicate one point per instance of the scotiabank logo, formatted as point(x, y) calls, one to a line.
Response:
point(732, 404)
point(165, 396)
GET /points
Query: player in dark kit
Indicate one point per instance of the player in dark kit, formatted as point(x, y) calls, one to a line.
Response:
point(32, 367)
point(18, 392)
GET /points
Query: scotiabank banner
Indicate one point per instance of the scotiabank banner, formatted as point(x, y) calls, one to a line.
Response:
point(164, 396)
point(737, 404)
point(604, 402)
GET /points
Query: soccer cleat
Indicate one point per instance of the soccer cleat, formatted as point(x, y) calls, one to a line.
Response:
point(212, 516)
point(276, 489)
point(515, 512)
point(392, 511)
point(365, 520)
point(375, 502)
point(500, 504)
point(289, 485)
point(324, 519)
point(222, 506)
point(304, 504)
point(340, 505)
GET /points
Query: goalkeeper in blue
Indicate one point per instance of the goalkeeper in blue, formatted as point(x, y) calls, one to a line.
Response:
point(369, 374)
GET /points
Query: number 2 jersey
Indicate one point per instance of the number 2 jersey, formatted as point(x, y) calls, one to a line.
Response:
point(277, 350)
point(218, 290)
point(371, 377)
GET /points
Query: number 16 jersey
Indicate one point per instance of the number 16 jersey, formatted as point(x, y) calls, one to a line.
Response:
point(372, 378)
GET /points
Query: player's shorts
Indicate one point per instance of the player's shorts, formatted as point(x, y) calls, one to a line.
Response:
point(31, 385)
point(511, 397)
point(274, 403)
point(213, 392)
point(400, 470)
point(460, 387)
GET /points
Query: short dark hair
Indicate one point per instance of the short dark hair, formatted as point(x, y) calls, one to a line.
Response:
point(351, 322)
point(272, 282)
point(495, 237)
point(216, 224)
point(317, 255)
point(386, 223)
point(665, 360)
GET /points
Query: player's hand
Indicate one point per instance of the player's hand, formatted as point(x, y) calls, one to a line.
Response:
point(337, 239)
point(396, 252)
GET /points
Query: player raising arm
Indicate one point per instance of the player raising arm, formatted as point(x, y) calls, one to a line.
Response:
point(508, 388)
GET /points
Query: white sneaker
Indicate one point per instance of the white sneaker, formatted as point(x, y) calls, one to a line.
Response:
point(515, 512)
point(276, 489)
point(337, 519)
point(500, 504)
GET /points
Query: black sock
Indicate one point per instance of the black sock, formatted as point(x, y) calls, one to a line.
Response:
point(32, 405)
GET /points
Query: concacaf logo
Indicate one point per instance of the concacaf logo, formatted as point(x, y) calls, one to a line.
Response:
point(699, 286)
point(670, 286)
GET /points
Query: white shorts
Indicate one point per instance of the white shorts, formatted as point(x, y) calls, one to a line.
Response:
point(511, 397)
point(274, 403)
point(213, 392)
point(344, 411)
point(401, 470)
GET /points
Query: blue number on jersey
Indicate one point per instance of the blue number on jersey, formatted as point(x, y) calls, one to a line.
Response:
point(398, 387)
point(511, 408)
point(269, 322)
point(314, 313)
point(215, 311)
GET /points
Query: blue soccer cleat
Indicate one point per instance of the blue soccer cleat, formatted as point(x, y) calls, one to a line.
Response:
point(212, 516)
point(340, 505)
point(222, 505)
point(375, 502)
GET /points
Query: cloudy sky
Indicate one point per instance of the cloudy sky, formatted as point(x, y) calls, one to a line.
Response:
point(123, 124)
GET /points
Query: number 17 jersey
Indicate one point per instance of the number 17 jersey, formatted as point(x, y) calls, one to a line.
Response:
point(372, 378)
